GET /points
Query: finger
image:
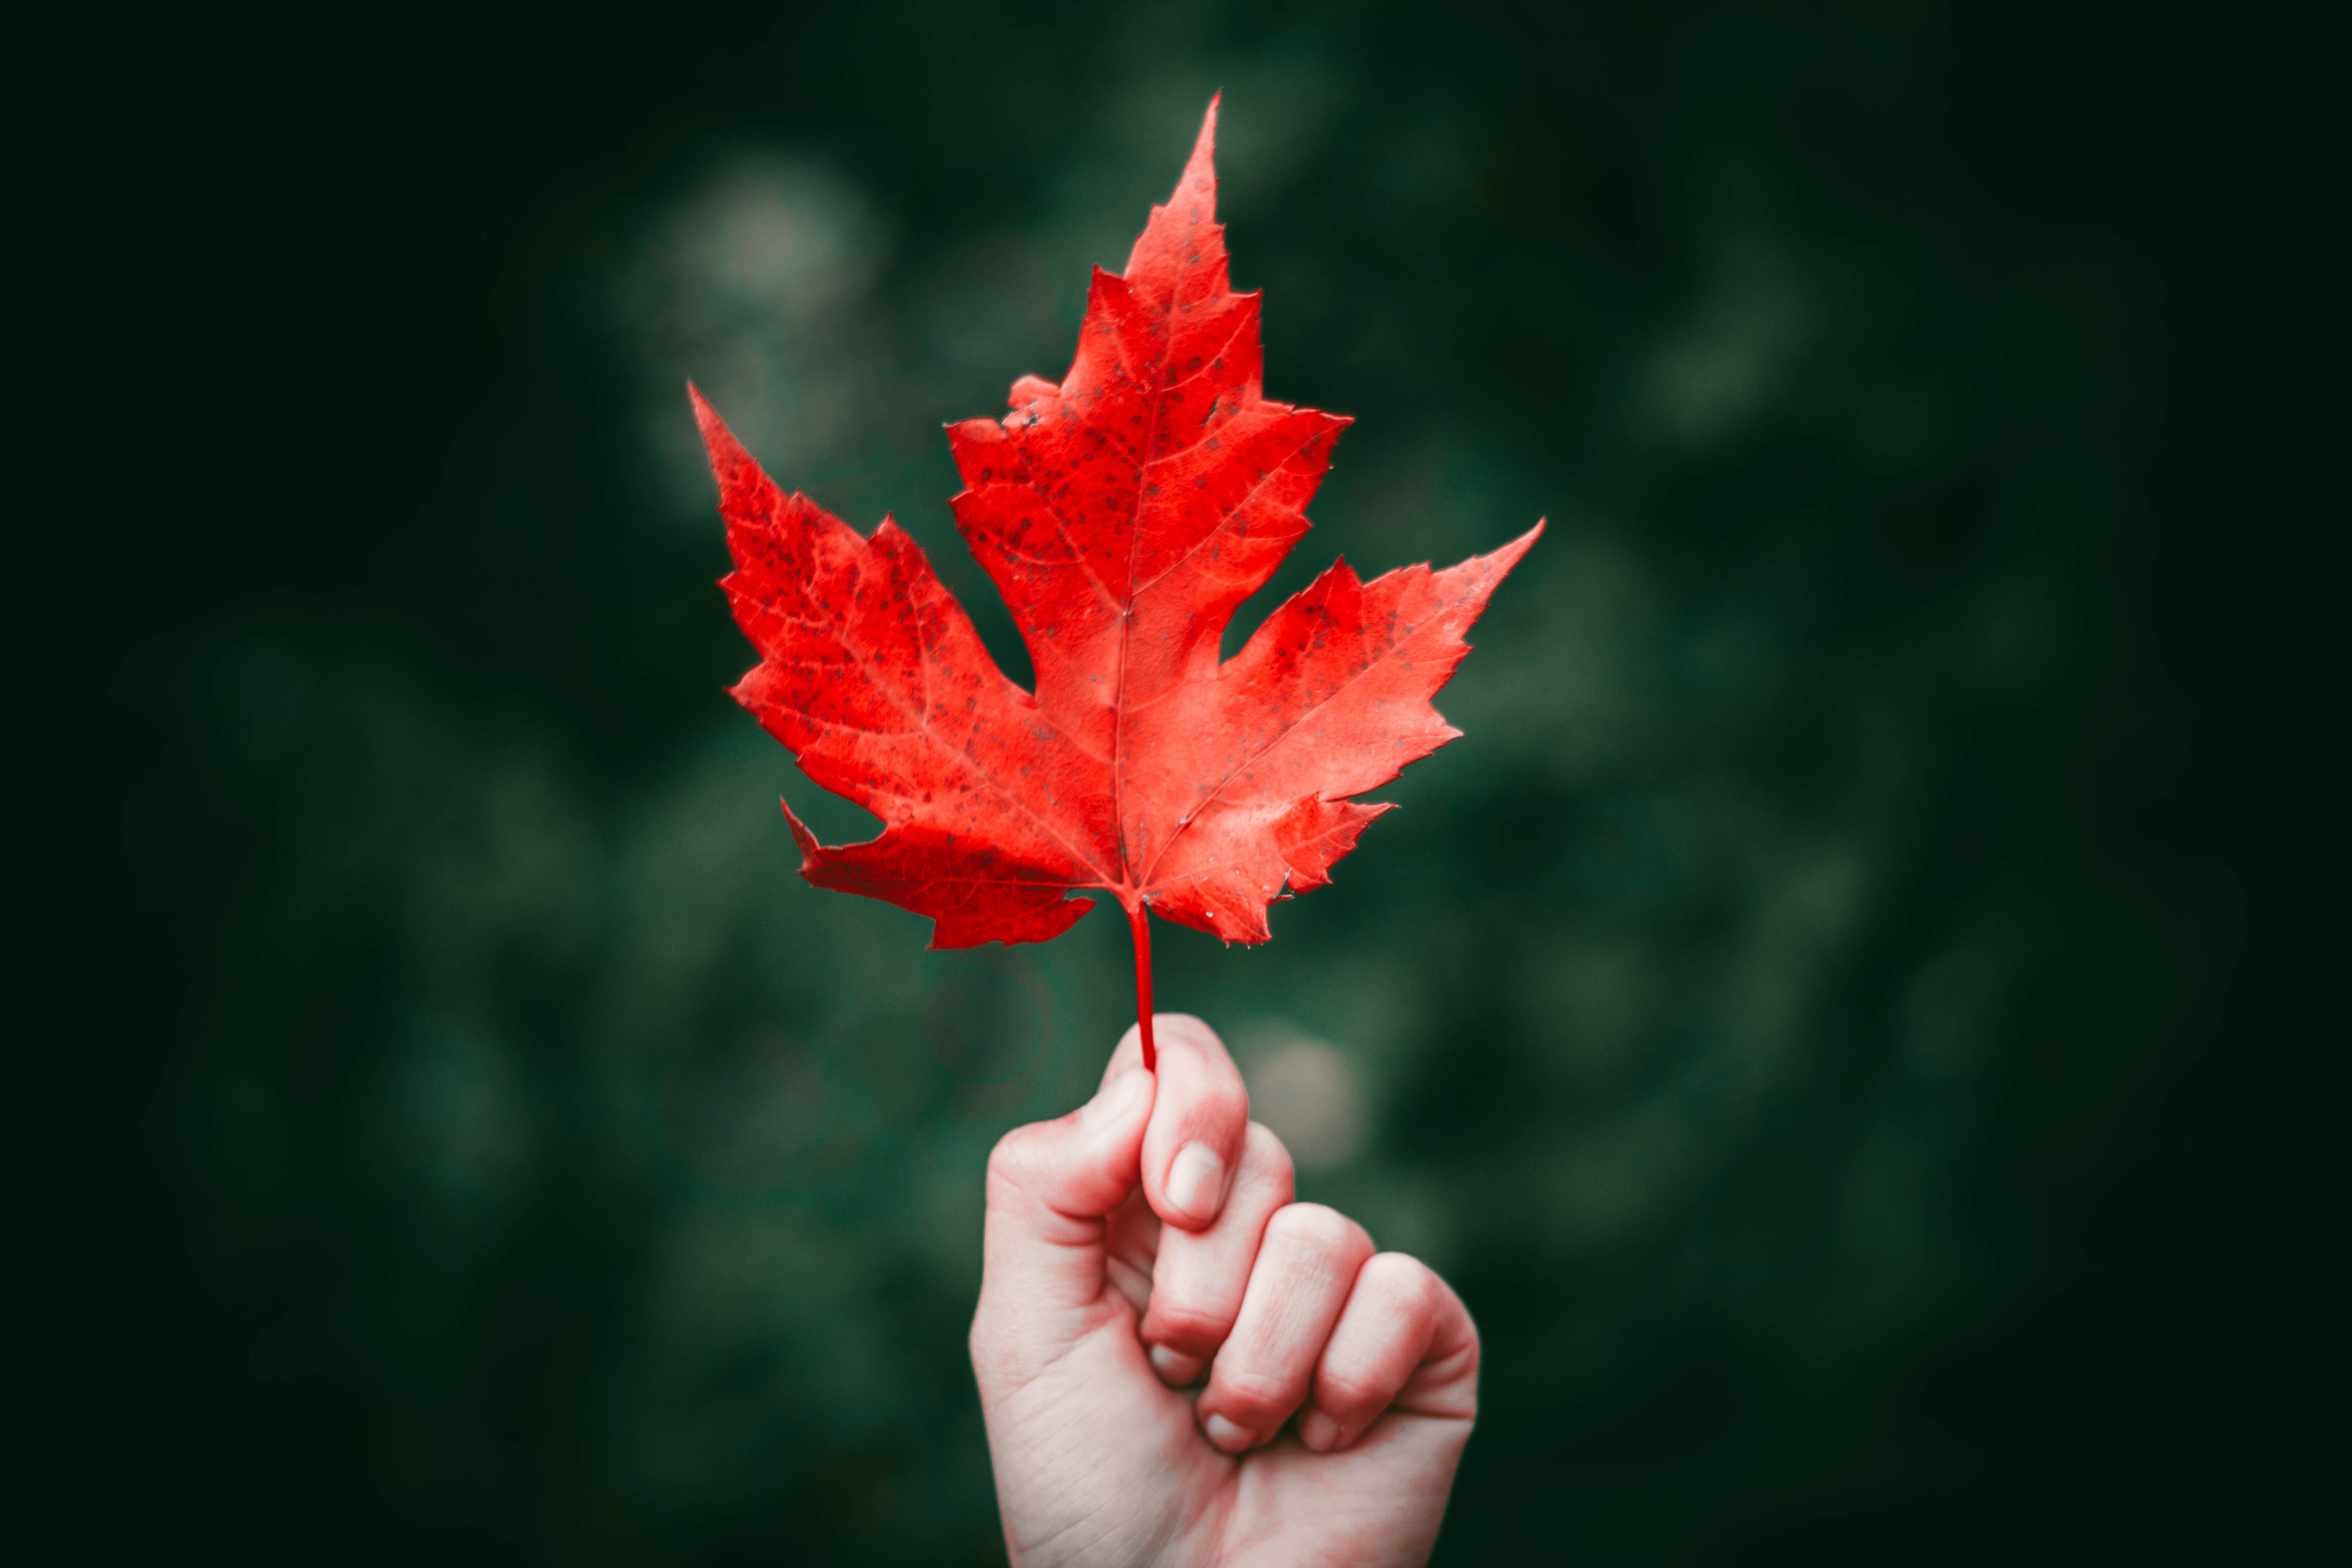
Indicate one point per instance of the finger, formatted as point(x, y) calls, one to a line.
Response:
point(1198, 1277)
point(1198, 1119)
point(1305, 1270)
point(1050, 1185)
point(1404, 1341)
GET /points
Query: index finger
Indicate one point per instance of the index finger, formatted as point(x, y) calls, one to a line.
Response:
point(1200, 1115)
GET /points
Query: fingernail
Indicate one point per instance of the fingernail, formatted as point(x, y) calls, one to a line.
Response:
point(1115, 1099)
point(1174, 1365)
point(1225, 1435)
point(1318, 1431)
point(1196, 1182)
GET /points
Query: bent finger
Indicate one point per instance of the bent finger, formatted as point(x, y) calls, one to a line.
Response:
point(1200, 1115)
point(1304, 1270)
point(1404, 1341)
point(1198, 1277)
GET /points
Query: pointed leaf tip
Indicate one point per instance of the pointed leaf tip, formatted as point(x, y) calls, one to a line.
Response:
point(718, 440)
point(1204, 145)
point(1509, 555)
point(800, 835)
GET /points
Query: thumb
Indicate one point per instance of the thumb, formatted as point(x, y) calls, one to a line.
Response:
point(1050, 1185)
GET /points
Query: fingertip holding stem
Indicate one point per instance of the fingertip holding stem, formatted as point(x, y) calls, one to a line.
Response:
point(1114, 1100)
point(1196, 1182)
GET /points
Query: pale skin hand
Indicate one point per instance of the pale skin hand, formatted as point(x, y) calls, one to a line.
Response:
point(1149, 1239)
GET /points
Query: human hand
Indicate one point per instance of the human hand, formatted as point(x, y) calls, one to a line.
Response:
point(1148, 1236)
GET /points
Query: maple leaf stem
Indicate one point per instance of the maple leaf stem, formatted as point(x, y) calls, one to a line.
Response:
point(1138, 917)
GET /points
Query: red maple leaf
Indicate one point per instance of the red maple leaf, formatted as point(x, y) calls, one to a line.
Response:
point(1123, 515)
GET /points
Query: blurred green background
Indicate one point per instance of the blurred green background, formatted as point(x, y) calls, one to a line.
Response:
point(1797, 1015)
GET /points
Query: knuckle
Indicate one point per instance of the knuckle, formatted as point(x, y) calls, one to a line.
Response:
point(1253, 1394)
point(1221, 1104)
point(1403, 1279)
point(1002, 1161)
point(1008, 1161)
point(1195, 1330)
point(1345, 1394)
point(1315, 1227)
point(1263, 1153)
point(1018, 1163)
